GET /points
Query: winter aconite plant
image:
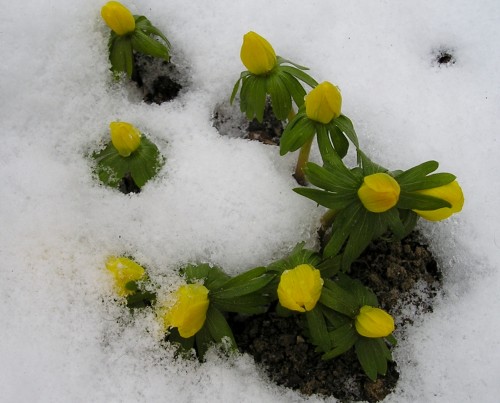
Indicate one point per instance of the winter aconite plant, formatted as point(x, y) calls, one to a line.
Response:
point(368, 200)
point(321, 116)
point(128, 157)
point(129, 34)
point(268, 75)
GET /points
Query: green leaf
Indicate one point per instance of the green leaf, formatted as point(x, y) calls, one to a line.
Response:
point(195, 272)
point(218, 327)
point(372, 356)
point(149, 46)
point(145, 25)
point(302, 76)
point(335, 201)
point(368, 166)
point(428, 182)
point(416, 201)
point(339, 141)
point(344, 222)
point(280, 97)
point(296, 134)
point(280, 60)
point(239, 289)
point(121, 55)
point(417, 172)
point(363, 295)
point(298, 256)
point(341, 180)
point(247, 304)
point(175, 338)
point(235, 90)
point(253, 96)
point(324, 142)
point(294, 88)
point(339, 299)
point(203, 340)
point(330, 267)
point(346, 126)
point(342, 339)
point(317, 329)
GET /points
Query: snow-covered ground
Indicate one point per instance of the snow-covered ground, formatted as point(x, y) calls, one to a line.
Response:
point(229, 201)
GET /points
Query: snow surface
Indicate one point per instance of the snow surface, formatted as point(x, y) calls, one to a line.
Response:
point(228, 201)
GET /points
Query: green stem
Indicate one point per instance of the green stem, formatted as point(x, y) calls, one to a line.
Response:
point(305, 150)
point(327, 219)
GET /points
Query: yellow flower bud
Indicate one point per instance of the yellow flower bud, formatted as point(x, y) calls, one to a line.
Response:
point(379, 192)
point(323, 103)
point(452, 193)
point(118, 18)
point(257, 54)
point(300, 288)
point(189, 311)
point(374, 322)
point(124, 270)
point(125, 137)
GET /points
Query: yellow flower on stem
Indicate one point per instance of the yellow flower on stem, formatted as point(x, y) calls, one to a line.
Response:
point(257, 54)
point(379, 192)
point(299, 289)
point(374, 322)
point(323, 103)
point(125, 137)
point(118, 18)
point(452, 193)
point(124, 271)
point(189, 311)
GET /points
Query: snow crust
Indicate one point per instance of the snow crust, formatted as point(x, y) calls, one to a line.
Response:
point(229, 201)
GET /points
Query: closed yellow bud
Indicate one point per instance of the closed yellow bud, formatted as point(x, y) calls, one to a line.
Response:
point(124, 271)
point(323, 103)
point(257, 54)
point(300, 288)
point(374, 322)
point(125, 137)
point(452, 193)
point(118, 18)
point(379, 192)
point(189, 311)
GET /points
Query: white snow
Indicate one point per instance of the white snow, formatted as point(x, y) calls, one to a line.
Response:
point(229, 201)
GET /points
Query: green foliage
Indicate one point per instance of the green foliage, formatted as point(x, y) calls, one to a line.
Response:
point(142, 164)
point(333, 137)
point(121, 48)
point(282, 85)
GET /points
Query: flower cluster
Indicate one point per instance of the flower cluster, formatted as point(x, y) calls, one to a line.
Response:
point(364, 202)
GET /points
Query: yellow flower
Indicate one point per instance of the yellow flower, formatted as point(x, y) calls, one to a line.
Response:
point(118, 18)
point(124, 271)
point(379, 192)
point(189, 311)
point(125, 137)
point(300, 288)
point(257, 54)
point(374, 322)
point(323, 103)
point(452, 193)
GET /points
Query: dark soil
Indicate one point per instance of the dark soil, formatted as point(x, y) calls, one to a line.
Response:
point(159, 80)
point(444, 57)
point(228, 120)
point(400, 273)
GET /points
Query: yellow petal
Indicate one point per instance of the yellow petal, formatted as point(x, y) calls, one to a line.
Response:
point(125, 137)
point(118, 18)
point(452, 193)
point(124, 271)
point(257, 54)
point(374, 322)
point(323, 103)
point(299, 289)
point(189, 312)
point(379, 192)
